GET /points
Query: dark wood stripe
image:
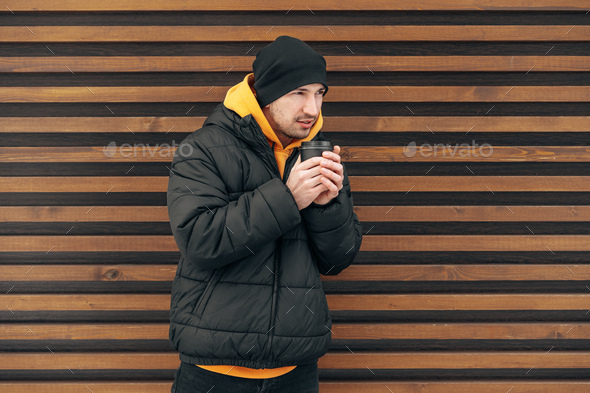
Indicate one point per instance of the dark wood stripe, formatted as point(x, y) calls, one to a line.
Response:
point(83, 199)
point(360, 198)
point(377, 376)
point(89, 228)
point(334, 79)
point(367, 48)
point(37, 258)
point(122, 109)
point(377, 228)
point(294, 18)
point(347, 139)
point(337, 345)
point(352, 168)
point(153, 316)
point(363, 257)
point(330, 287)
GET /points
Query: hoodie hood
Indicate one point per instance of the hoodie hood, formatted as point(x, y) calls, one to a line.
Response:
point(242, 100)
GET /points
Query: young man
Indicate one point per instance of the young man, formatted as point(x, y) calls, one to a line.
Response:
point(255, 227)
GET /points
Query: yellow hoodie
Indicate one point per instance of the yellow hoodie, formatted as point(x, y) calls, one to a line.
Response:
point(242, 100)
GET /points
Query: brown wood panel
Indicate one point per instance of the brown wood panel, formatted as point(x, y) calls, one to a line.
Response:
point(285, 5)
point(87, 243)
point(381, 331)
point(94, 331)
point(331, 124)
point(151, 302)
point(337, 94)
point(122, 124)
point(426, 153)
point(423, 360)
point(325, 387)
point(471, 213)
point(451, 153)
point(549, 243)
point(468, 360)
point(365, 213)
point(469, 183)
point(44, 34)
point(459, 302)
point(88, 273)
point(452, 331)
point(334, 63)
point(83, 213)
point(493, 272)
point(358, 183)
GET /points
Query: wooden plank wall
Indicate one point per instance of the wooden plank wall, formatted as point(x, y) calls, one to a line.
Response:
point(474, 272)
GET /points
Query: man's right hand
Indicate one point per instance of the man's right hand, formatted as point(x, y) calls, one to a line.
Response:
point(305, 181)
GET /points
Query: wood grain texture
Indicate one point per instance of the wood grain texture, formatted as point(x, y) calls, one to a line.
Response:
point(60, 64)
point(367, 331)
point(284, 5)
point(435, 272)
point(549, 243)
point(428, 360)
point(465, 124)
point(425, 153)
point(151, 302)
point(358, 183)
point(336, 94)
point(489, 33)
point(365, 213)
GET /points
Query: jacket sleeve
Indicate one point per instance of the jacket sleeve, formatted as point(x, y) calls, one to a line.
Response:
point(334, 231)
point(210, 229)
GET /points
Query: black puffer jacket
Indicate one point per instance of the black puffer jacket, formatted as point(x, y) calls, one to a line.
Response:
point(247, 290)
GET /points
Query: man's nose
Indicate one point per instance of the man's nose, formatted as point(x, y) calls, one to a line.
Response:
point(311, 106)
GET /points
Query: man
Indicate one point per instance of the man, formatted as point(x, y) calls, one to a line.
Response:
point(255, 227)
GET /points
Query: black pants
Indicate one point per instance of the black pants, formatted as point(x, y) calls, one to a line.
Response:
point(192, 379)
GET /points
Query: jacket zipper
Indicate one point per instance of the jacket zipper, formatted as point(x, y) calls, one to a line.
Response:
point(273, 310)
point(275, 290)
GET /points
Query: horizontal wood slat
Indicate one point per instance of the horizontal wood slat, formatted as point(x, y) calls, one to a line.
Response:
point(45, 34)
point(331, 124)
point(365, 213)
point(334, 63)
point(336, 94)
point(495, 272)
point(358, 183)
point(381, 331)
point(549, 243)
point(425, 153)
point(285, 5)
point(325, 387)
point(425, 360)
point(150, 302)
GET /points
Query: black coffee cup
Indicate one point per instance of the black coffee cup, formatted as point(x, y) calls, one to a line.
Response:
point(314, 149)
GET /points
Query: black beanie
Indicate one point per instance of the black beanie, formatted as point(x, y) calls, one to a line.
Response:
point(284, 65)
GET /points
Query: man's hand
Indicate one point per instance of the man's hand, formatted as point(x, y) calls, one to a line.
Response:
point(332, 173)
point(317, 180)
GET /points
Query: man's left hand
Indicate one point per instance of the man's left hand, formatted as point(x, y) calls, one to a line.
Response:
point(331, 175)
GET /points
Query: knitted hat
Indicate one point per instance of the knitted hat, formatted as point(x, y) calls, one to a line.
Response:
point(284, 65)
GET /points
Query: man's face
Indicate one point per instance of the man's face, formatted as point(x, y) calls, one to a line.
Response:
point(293, 114)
